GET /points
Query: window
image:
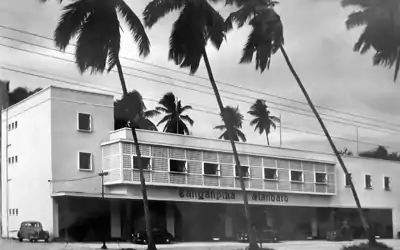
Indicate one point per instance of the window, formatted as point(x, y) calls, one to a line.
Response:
point(211, 168)
point(12, 125)
point(85, 161)
point(9, 160)
point(245, 171)
point(12, 159)
point(84, 122)
point(348, 179)
point(368, 181)
point(270, 174)
point(177, 166)
point(296, 175)
point(386, 181)
point(320, 178)
point(16, 124)
point(9, 127)
point(146, 163)
point(16, 159)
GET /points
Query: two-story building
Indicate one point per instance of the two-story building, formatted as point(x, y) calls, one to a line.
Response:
point(57, 141)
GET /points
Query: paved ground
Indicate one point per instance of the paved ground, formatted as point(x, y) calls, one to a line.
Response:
point(292, 245)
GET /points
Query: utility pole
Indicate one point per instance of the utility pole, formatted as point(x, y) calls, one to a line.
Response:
point(102, 174)
point(280, 129)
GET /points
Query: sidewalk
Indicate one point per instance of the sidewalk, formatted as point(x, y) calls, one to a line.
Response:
point(291, 245)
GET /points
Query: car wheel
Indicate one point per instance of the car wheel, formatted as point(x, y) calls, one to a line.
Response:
point(167, 240)
point(20, 239)
point(144, 241)
point(30, 240)
point(36, 240)
point(46, 239)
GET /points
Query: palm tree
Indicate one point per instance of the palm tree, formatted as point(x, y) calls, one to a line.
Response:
point(382, 21)
point(262, 121)
point(175, 121)
point(97, 25)
point(265, 39)
point(133, 104)
point(232, 116)
point(198, 23)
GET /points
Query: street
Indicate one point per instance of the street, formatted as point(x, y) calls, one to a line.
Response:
point(292, 245)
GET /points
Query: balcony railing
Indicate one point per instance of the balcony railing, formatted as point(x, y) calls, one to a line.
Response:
point(118, 160)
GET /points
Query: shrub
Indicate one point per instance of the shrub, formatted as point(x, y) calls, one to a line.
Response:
point(367, 246)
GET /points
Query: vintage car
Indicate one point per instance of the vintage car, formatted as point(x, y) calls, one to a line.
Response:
point(32, 231)
point(161, 236)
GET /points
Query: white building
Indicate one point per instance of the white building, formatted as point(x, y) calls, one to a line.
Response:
point(60, 139)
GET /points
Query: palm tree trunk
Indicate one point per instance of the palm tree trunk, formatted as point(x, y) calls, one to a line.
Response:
point(371, 237)
point(267, 138)
point(150, 242)
point(253, 244)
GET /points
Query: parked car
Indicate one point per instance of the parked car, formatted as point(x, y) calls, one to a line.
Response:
point(32, 231)
point(161, 236)
point(263, 235)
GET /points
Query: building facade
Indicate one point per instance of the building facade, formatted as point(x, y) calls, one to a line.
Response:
point(65, 138)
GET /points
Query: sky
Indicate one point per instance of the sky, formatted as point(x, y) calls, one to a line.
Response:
point(316, 39)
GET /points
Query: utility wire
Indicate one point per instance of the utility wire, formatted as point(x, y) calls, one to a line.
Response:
point(92, 86)
point(346, 121)
point(223, 83)
point(77, 179)
point(387, 130)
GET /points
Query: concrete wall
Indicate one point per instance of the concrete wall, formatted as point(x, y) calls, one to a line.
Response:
point(47, 143)
point(4, 89)
point(67, 141)
point(28, 187)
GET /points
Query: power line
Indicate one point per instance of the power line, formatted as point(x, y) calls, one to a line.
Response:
point(387, 130)
point(196, 109)
point(71, 180)
point(223, 83)
point(346, 121)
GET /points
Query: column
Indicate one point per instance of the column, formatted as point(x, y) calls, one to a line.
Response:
point(56, 219)
point(314, 226)
point(115, 224)
point(396, 221)
point(170, 217)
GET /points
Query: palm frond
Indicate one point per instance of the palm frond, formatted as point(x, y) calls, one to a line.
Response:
point(215, 24)
point(188, 119)
point(356, 19)
point(161, 109)
point(232, 116)
point(272, 124)
point(274, 119)
point(187, 41)
point(224, 135)
point(220, 127)
point(168, 101)
point(241, 135)
point(184, 108)
point(92, 44)
point(151, 113)
point(254, 121)
point(135, 26)
point(397, 66)
point(70, 22)
point(185, 128)
point(157, 9)
point(164, 119)
point(240, 17)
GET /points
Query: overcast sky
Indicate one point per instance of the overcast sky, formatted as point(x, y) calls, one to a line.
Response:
point(316, 40)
